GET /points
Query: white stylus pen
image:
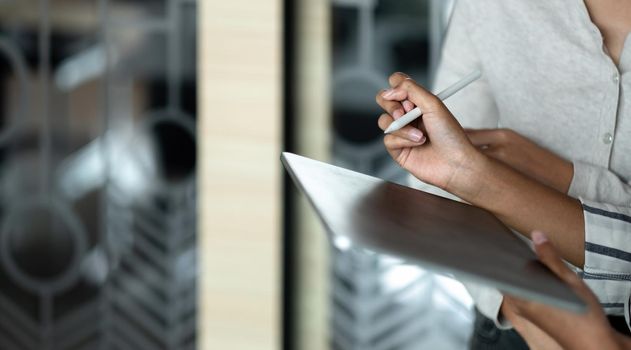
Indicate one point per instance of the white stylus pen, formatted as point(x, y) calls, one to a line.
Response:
point(443, 95)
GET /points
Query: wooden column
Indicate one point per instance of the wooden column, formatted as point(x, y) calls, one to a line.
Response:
point(240, 81)
point(313, 139)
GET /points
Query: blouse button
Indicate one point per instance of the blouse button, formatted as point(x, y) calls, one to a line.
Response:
point(616, 78)
point(607, 138)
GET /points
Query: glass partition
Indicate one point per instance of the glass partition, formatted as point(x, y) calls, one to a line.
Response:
point(98, 174)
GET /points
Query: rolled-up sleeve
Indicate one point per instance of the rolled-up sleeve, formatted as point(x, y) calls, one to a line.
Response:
point(627, 318)
point(607, 267)
point(599, 184)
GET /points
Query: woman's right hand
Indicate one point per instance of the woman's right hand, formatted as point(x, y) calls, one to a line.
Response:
point(443, 156)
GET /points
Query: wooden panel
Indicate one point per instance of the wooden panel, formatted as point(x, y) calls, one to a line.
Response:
point(313, 138)
point(240, 135)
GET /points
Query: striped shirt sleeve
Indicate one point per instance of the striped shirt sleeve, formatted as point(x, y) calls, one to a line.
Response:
point(627, 304)
point(607, 269)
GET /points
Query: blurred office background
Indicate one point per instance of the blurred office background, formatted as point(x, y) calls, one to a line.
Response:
point(101, 243)
point(98, 174)
point(373, 301)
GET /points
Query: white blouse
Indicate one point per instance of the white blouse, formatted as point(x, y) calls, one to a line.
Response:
point(547, 75)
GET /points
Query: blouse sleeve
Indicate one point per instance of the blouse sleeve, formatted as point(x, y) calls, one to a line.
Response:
point(474, 107)
point(607, 267)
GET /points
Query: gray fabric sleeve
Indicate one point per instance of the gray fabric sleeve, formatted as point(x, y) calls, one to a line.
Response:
point(488, 301)
point(474, 106)
point(594, 183)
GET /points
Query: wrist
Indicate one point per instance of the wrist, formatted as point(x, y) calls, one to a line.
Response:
point(611, 339)
point(567, 171)
point(468, 179)
point(623, 341)
point(557, 174)
point(553, 171)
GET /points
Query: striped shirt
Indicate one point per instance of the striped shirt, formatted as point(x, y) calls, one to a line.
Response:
point(607, 267)
point(547, 76)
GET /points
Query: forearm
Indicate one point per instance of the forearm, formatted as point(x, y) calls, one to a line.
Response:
point(553, 171)
point(523, 204)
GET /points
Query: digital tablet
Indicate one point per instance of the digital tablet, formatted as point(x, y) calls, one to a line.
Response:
point(424, 229)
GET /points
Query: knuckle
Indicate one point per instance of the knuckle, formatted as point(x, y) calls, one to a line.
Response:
point(397, 76)
point(401, 134)
point(378, 97)
point(434, 102)
point(571, 278)
point(505, 135)
point(500, 152)
point(383, 120)
point(388, 140)
point(385, 117)
point(408, 84)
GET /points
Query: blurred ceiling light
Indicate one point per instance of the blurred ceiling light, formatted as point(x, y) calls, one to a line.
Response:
point(400, 276)
point(455, 290)
point(129, 166)
point(342, 242)
point(82, 67)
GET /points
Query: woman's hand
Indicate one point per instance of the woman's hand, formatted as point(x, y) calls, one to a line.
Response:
point(397, 108)
point(539, 323)
point(525, 156)
point(434, 148)
point(445, 157)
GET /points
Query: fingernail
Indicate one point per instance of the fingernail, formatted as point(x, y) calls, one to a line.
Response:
point(387, 93)
point(408, 105)
point(539, 237)
point(397, 114)
point(417, 135)
point(423, 139)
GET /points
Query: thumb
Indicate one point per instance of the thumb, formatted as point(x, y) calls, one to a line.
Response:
point(550, 257)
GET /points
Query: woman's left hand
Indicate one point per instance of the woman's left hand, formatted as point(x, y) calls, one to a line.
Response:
point(544, 326)
point(525, 156)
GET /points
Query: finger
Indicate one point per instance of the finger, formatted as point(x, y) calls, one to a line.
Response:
point(394, 108)
point(520, 307)
point(540, 315)
point(482, 137)
point(419, 96)
point(408, 106)
point(513, 304)
point(560, 325)
point(411, 133)
point(408, 132)
point(498, 152)
point(396, 78)
point(548, 256)
point(384, 121)
point(396, 143)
